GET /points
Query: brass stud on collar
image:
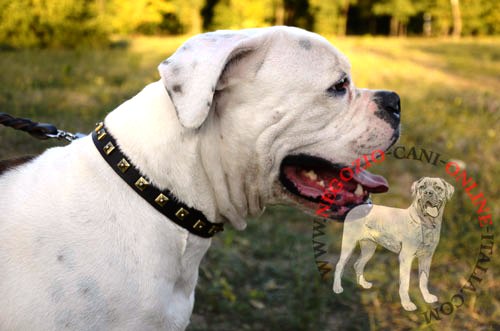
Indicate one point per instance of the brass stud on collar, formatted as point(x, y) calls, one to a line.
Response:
point(213, 229)
point(123, 165)
point(99, 126)
point(101, 134)
point(141, 183)
point(199, 225)
point(108, 148)
point(161, 200)
point(181, 213)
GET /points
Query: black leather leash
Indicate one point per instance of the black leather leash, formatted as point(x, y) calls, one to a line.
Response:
point(164, 201)
point(38, 130)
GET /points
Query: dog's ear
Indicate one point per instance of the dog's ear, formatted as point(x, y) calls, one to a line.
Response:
point(449, 189)
point(204, 64)
point(414, 186)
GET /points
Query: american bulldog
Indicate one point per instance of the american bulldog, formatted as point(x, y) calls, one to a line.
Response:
point(412, 233)
point(238, 120)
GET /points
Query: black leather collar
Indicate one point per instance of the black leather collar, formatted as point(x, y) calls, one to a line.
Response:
point(164, 201)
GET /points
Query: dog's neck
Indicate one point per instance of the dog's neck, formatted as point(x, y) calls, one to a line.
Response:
point(148, 132)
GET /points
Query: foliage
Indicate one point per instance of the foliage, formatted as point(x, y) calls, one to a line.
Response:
point(128, 16)
point(82, 23)
point(480, 17)
point(399, 9)
point(400, 12)
point(28, 23)
point(325, 16)
point(238, 14)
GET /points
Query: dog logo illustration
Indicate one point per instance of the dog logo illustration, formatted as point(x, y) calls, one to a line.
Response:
point(412, 233)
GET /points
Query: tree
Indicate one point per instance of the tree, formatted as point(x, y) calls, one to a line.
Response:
point(400, 12)
point(457, 18)
point(239, 14)
point(342, 19)
point(326, 15)
point(469, 17)
point(189, 14)
point(43, 23)
point(127, 16)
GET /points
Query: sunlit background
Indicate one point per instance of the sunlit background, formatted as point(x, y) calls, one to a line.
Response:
point(70, 62)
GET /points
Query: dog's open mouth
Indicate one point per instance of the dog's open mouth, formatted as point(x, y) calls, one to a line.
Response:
point(316, 180)
point(432, 208)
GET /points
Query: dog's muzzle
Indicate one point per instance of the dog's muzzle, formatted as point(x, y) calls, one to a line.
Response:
point(430, 203)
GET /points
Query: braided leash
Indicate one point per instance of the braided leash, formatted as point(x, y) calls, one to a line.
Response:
point(38, 130)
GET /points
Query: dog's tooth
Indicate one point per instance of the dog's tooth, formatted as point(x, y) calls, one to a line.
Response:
point(359, 190)
point(321, 183)
point(310, 174)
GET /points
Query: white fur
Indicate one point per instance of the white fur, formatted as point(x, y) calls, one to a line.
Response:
point(80, 250)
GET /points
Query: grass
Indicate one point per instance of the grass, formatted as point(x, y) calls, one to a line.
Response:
point(265, 278)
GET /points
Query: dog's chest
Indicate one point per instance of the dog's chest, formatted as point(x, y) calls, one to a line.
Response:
point(427, 239)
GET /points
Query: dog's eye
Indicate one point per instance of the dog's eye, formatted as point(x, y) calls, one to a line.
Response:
point(340, 87)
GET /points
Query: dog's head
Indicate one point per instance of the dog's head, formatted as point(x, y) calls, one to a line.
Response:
point(286, 112)
point(431, 194)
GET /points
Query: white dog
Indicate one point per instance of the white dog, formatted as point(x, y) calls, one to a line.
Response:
point(412, 232)
point(236, 121)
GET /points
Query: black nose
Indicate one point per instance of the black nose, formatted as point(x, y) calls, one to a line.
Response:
point(389, 107)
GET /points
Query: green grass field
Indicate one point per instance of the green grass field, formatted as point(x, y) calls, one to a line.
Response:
point(265, 278)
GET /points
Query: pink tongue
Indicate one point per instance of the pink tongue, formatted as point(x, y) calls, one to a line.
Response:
point(374, 183)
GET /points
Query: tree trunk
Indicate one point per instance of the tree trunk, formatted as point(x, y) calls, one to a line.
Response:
point(402, 29)
point(342, 25)
point(457, 18)
point(196, 21)
point(279, 12)
point(394, 26)
point(427, 25)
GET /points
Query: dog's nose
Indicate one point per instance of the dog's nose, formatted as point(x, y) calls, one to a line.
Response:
point(389, 106)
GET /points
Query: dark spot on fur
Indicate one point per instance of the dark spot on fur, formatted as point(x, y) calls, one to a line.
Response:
point(213, 88)
point(177, 88)
point(12, 163)
point(176, 70)
point(66, 257)
point(88, 287)
point(166, 62)
point(186, 48)
point(209, 103)
point(305, 44)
